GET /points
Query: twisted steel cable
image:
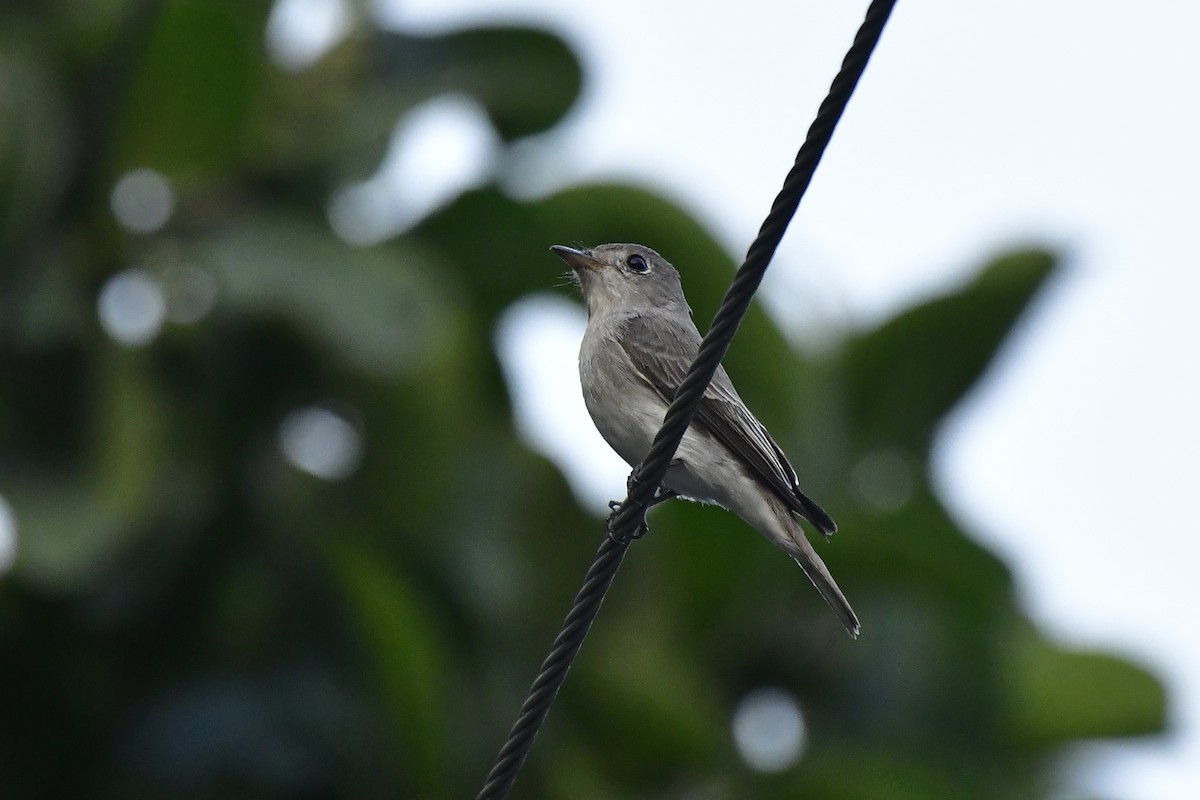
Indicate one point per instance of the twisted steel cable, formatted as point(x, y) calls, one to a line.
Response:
point(629, 518)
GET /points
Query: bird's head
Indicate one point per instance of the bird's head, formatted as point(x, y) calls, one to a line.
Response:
point(623, 277)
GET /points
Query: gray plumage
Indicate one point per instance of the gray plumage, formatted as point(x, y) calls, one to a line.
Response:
point(640, 341)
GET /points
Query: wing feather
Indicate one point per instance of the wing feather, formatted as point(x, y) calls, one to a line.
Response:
point(661, 354)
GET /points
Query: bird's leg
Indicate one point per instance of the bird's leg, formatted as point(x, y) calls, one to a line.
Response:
point(660, 496)
point(614, 510)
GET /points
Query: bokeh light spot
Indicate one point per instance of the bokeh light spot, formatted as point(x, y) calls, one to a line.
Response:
point(439, 149)
point(299, 32)
point(8, 536)
point(142, 200)
point(362, 214)
point(321, 443)
point(883, 481)
point(132, 308)
point(190, 293)
point(769, 730)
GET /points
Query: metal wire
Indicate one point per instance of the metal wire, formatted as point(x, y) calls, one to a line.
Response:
point(631, 514)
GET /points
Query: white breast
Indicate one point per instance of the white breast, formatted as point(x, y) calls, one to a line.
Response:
point(628, 414)
point(624, 409)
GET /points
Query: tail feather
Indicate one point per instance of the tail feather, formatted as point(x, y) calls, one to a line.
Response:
point(798, 547)
point(807, 508)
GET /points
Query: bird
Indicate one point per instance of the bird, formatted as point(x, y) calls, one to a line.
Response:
point(636, 350)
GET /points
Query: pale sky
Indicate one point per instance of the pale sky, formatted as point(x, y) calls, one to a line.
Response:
point(978, 126)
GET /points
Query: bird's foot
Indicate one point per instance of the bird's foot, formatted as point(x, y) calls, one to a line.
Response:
point(614, 510)
point(614, 507)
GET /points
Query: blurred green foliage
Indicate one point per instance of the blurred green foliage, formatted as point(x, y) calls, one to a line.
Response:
point(191, 616)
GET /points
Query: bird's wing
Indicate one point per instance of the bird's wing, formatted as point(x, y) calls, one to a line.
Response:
point(661, 354)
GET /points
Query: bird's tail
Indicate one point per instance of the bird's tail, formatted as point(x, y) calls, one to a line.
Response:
point(798, 547)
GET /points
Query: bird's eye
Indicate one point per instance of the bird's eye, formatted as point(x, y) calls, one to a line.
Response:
point(637, 263)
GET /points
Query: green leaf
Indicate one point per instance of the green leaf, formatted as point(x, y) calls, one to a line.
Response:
point(1056, 695)
point(920, 549)
point(638, 687)
point(336, 119)
point(376, 308)
point(904, 377)
point(73, 526)
point(35, 148)
point(501, 246)
point(525, 79)
point(186, 108)
point(408, 661)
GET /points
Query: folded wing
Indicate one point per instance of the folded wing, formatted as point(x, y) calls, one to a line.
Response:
point(661, 354)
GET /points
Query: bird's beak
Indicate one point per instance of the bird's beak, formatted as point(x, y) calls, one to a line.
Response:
point(576, 259)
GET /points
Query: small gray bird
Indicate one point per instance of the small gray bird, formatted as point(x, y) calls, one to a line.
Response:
point(640, 341)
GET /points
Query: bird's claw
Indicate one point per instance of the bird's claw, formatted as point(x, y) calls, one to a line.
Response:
point(614, 507)
point(661, 495)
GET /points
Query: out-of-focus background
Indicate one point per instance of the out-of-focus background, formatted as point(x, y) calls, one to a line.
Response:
point(294, 483)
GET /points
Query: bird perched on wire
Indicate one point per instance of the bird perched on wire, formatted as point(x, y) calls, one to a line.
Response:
point(638, 346)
